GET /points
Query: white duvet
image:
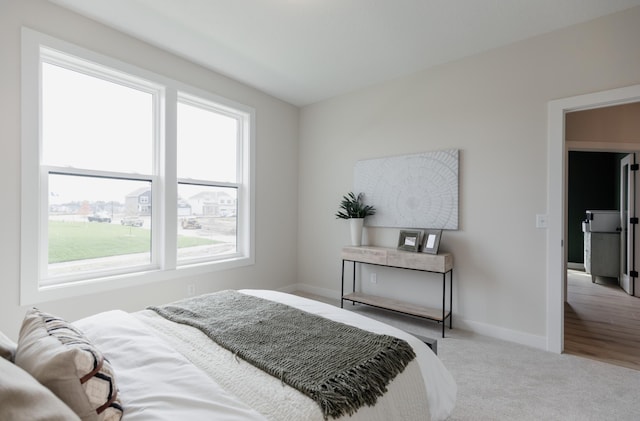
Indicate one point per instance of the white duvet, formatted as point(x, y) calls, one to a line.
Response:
point(167, 371)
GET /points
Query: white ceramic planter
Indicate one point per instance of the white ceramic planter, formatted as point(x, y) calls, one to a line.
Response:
point(356, 225)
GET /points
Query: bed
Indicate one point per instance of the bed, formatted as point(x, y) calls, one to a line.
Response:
point(158, 369)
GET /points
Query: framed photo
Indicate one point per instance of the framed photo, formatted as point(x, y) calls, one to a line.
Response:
point(409, 240)
point(431, 241)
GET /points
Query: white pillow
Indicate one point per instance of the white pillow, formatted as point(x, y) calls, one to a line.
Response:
point(60, 357)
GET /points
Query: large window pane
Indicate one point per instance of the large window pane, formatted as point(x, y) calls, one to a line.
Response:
point(91, 123)
point(207, 221)
point(207, 143)
point(97, 224)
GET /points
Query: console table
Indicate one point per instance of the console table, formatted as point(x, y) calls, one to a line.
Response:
point(388, 257)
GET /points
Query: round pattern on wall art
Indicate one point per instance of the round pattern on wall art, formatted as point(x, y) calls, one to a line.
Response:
point(417, 191)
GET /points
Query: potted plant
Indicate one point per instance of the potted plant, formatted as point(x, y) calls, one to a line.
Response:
point(353, 208)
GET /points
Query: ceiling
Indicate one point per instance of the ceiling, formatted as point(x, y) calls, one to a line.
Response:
point(304, 51)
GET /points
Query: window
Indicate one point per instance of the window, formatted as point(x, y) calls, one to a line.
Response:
point(208, 141)
point(97, 141)
point(128, 177)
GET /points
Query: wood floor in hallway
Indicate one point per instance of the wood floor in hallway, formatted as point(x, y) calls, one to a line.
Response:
point(601, 321)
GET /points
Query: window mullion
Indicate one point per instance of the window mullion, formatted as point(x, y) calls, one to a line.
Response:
point(168, 170)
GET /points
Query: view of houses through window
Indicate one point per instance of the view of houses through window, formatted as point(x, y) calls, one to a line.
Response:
point(89, 233)
point(206, 214)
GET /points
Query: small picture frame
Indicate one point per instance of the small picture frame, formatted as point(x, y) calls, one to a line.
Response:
point(409, 240)
point(431, 241)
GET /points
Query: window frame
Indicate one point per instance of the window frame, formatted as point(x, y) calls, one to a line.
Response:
point(34, 200)
point(195, 101)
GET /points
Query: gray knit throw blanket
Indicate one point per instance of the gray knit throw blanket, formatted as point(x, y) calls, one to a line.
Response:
point(340, 367)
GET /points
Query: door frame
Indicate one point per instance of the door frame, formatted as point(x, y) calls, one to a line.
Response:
point(557, 199)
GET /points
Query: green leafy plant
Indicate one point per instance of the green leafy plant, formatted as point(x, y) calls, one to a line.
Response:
point(352, 206)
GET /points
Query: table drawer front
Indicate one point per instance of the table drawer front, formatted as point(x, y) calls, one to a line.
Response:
point(420, 261)
point(365, 255)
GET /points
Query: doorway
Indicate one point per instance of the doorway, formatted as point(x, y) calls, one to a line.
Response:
point(557, 211)
point(602, 178)
point(601, 316)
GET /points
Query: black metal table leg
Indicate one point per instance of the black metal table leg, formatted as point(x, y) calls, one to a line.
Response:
point(444, 296)
point(354, 281)
point(451, 299)
point(342, 287)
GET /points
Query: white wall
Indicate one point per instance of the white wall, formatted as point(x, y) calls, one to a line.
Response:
point(493, 107)
point(277, 155)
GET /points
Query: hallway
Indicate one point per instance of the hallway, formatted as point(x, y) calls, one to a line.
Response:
point(601, 321)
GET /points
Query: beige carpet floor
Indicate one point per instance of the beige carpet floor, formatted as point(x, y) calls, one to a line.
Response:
point(499, 380)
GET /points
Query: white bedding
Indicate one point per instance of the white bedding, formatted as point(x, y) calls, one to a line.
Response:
point(155, 381)
point(170, 371)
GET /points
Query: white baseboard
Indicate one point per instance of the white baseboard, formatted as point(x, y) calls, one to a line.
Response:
point(534, 341)
point(290, 288)
point(323, 292)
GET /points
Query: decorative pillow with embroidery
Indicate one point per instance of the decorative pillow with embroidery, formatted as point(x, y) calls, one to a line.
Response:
point(60, 357)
